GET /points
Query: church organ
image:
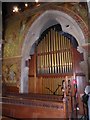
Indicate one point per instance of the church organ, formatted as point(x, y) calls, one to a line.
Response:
point(55, 57)
point(55, 60)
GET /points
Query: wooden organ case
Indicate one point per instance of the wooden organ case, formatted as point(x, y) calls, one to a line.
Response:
point(55, 60)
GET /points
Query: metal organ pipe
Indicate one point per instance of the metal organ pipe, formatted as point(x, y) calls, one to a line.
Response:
point(54, 54)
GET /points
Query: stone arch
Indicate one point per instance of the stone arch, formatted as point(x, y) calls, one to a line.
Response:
point(35, 31)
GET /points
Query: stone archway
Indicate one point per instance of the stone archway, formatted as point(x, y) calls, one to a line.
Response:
point(38, 27)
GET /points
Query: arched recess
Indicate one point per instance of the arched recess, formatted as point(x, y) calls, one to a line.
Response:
point(45, 20)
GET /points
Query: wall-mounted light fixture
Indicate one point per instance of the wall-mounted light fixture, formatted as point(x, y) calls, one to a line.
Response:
point(36, 1)
point(15, 9)
point(26, 5)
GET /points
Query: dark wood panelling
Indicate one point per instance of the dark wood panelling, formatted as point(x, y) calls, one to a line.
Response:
point(31, 66)
point(77, 58)
point(9, 89)
point(81, 84)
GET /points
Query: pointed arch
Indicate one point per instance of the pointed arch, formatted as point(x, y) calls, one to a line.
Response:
point(38, 26)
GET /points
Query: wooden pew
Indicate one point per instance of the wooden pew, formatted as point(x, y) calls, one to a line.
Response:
point(30, 107)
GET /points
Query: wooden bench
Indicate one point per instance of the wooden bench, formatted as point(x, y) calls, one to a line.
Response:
point(34, 106)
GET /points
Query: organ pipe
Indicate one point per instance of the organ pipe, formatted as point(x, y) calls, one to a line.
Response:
point(54, 54)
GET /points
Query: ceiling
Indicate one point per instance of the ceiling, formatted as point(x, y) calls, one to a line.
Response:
point(7, 7)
